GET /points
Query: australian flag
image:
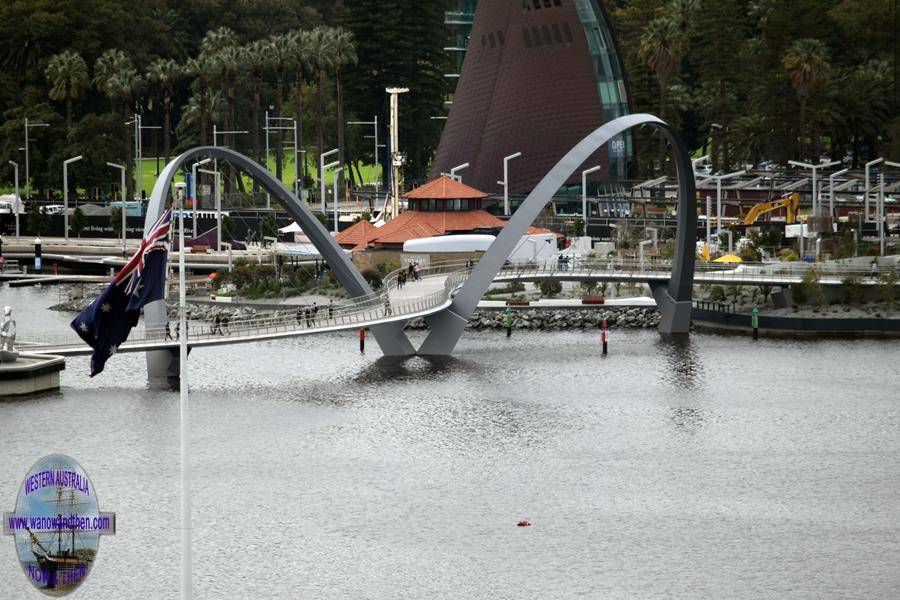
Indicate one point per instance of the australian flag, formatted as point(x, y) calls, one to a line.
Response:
point(106, 322)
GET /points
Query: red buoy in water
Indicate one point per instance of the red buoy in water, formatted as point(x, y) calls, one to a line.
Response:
point(523, 523)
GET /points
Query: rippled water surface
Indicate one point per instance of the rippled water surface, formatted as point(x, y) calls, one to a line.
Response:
point(712, 468)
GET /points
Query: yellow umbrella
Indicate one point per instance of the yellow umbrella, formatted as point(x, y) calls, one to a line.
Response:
point(729, 258)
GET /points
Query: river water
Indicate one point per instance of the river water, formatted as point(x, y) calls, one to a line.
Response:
point(712, 468)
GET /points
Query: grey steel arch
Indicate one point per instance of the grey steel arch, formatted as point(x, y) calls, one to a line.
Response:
point(673, 299)
point(163, 363)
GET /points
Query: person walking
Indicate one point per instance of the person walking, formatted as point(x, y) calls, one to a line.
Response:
point(178, 330)
point(411, 271)
point(388, 311)
point(217, 327)
point(330, 309)
point(223, 327)
point(874, 268)
point(299, 315)
point(306, 313)
point(315, 311)
point(416, 274)
point(168, 331)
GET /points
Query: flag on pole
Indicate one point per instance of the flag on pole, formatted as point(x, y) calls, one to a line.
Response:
point(106, 322)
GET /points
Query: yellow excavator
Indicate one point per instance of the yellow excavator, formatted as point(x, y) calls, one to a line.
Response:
point(790, 202)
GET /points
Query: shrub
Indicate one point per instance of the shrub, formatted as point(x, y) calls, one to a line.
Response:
point(811, 287)
point(852, 288)
point(373, 277)
point(79, 221)
point(716, 294)
point(550, 288)
point(788, 255)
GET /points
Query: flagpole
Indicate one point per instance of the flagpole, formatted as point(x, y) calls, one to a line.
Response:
point(183, 384)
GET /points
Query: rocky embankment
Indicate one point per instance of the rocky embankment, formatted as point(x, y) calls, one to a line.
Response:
point(546, 319)
point(558, 319)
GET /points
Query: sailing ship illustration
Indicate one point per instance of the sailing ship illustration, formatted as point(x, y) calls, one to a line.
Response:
point(62, 569)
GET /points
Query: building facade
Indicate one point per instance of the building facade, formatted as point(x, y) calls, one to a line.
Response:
point(537, 76)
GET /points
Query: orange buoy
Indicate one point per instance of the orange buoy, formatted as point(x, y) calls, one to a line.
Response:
point(523, 523)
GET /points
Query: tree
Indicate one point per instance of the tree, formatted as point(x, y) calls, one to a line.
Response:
point(886, 288)
point(79, 221)
point(321, 46)
point(852, 287)
point(280, 52)
point(344, 53)
point(256, 60)
point(68, 76)
point(116, 77)
point(268, 226)
point(806, 63)
point(38, 219)
point(550, 288)
point(228, 226)
point(115, 220)
point(164, 73)
point(662, 46)
point(301, 44)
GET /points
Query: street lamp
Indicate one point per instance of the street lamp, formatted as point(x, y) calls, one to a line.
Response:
point(66, 164)
point(453, 171)
point(373, 122)
point(122, 192)
point(815, 170)
point(869, 164)
point(27, 162)
point(831, 179)
point(322, 177)
point(335, 197)
point(881, 215)
point(505, 182)
point(584, 210)
point(322, 168)
point(18, 200)
point(719, 179)
point(193, 191)
point(217, 178)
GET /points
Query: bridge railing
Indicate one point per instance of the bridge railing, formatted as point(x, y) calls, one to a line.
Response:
point(359, 311)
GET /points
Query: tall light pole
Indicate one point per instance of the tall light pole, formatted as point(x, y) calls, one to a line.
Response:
point(373, 122)
point(217, 178)
point(869, 165)
point(584, 209)
point(322, 167)
point(881, 215)
point(815, 202)
point(455, 169)
point(831, 179)
point(18, 199)
point(396, 156)
point(27, 155)
point(719, 179)
point(505, 182)
point(815, 171)
point(66, 164)
point(193, 191)
point(122, 193)
point(330, 165)
point(335, 198)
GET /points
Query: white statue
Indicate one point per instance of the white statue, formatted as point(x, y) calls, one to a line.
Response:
point(8, 331)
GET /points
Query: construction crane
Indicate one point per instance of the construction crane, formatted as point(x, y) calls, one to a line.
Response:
point(789, 202)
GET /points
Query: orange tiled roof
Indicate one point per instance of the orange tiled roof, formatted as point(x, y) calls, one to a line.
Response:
point(444, 188)
point(413, 224)
point(357, 235)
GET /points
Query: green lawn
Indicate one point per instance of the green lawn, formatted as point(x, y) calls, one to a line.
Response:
point(148, 175)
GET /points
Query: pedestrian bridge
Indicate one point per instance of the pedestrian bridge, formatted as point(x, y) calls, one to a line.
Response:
point(434, 293)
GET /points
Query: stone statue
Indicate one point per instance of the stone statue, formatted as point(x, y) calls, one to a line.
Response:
point(8, 337)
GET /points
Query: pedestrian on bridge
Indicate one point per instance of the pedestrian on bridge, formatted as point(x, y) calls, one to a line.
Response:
point(168, 331)
point(388, 311)
point(306, 314)
point(299, 315)
point(315, 311)
point(330, 309)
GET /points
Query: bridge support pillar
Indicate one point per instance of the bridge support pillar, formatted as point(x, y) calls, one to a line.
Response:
point(392, 339)
point(162, 368)
point(676, 315)
point(445, 329)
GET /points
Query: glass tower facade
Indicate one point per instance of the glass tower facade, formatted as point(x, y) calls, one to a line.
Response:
point(611, 85)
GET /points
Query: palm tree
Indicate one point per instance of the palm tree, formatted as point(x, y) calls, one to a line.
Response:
point(68, 76)
point(256, 60)
point(806, 64)
point(321, 53)
point(107, 66)
point(662, 46)
point(280, 55)
point(165, 72)
point(344, 53)
point(302, 43)
point(116, 77)
point(220, 47)
point(202, 68)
